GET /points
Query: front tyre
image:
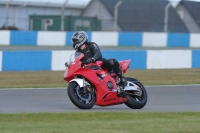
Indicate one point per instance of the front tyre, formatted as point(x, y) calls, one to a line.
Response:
point(80, 98)
point(137, 101)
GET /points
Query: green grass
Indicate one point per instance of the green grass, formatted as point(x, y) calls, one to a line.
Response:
point(93, 122)
point(100, 122)
point(55, 78)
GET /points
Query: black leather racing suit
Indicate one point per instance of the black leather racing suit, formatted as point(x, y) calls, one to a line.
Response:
point(92, 50)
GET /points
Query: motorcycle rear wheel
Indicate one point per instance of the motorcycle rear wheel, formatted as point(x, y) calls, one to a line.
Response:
point(137, 102)
point(79, 98)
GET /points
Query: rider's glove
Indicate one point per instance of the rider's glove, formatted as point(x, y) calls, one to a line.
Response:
point(90, 60)
point(66, 64)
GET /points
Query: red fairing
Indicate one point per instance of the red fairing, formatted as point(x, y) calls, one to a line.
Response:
point(125, 65)
point(104, 95)
point(69, 72)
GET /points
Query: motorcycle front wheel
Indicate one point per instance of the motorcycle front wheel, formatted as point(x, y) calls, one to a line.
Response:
point(137, 100)
point(79, 97)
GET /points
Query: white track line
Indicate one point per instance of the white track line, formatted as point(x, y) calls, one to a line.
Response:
point(31, 88)
point(173, 85)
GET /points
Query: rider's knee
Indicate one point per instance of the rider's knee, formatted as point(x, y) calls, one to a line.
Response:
point(112, 62)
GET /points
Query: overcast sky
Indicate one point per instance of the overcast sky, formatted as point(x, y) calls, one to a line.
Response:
point(55, 1)
point(71, 2)
point(175, 2)
point(83, 2)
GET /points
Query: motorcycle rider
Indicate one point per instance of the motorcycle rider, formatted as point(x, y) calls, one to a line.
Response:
point(92, 53)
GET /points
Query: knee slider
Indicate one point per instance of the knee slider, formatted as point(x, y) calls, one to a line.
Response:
point(111, 62)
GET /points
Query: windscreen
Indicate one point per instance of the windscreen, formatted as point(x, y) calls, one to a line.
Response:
point(74, 56)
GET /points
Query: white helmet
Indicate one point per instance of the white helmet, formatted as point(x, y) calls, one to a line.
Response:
point(79, 38)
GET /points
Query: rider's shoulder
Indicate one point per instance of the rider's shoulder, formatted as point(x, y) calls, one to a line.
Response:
point(92, 43)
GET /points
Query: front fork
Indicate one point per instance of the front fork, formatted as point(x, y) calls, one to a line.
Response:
point(83, 83)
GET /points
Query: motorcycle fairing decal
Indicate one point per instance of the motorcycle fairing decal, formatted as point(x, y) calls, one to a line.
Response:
point(110, 99)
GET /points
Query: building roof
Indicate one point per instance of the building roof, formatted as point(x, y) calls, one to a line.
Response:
point(194, 9)
point(145, 15)
point(50, 3)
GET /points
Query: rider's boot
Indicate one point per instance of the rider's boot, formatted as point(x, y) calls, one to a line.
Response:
point(123, 83)
point(118, 70)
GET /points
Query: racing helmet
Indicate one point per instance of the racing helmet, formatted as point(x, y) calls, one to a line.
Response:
point(78, 39)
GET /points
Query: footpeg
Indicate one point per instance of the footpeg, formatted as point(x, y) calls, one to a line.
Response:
point(120, 90)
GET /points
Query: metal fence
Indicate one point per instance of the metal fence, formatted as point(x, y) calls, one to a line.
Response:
point(147, 18)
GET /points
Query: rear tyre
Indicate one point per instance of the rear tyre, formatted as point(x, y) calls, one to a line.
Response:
point(81, 99)
point(137, 101)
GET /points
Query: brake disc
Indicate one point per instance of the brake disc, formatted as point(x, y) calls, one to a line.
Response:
point(81, 95)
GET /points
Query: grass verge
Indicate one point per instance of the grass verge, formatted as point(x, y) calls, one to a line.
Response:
point(107, 122)
point(55, 78)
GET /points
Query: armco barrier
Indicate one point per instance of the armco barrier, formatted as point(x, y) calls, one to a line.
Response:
point(145, 39)
point(140, 59)
point(26, 60)
point(0, 61)
point(160, 59)
point(178, 40)
point(51, 38)
point(196, 59)
point(5, 37)
point(23, 38)
point(129, 39)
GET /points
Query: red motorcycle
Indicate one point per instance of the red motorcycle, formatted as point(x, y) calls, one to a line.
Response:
point(91, 85)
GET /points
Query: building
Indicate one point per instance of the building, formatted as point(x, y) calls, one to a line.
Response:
point(189, 12)
point(19, 12)
point(133, 16)
point(136, 15)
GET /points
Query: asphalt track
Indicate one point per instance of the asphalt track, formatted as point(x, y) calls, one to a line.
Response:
point(184, 98)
